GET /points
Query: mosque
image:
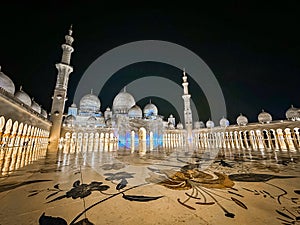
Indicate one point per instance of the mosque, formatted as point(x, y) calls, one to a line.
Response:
point(27, 132)
point(122, 123)
point(126, 124)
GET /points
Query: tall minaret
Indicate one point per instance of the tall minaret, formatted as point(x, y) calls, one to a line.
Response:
point(60, 91)
point(188, 119)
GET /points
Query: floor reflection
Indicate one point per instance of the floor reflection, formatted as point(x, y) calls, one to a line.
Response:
point(15, 157)
point(242, 185)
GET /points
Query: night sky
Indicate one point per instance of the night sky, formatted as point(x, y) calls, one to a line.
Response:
point(253, 50)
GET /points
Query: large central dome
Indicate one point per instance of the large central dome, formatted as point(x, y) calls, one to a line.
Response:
point(123, 102)
point(89, 103)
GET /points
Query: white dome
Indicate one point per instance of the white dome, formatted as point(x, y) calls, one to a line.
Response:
point(292, 113)
point(23, 97)
point(123, 102)
point(107, 113)
point(6, 83)
point(224, 122)
point(150, 110)
point(171, 126)
point(197, 125)
point(179, 126)
point(73, 105)
point(92, 118)
point(89, 103)
point(264, 117)
point(135, 112)
point(108, 122)
point(242, 120)
point(210, 124)
point(36, 107)
point(44, 113)
point(70, 118)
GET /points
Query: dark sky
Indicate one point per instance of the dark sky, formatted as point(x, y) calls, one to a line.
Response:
point(253, 49)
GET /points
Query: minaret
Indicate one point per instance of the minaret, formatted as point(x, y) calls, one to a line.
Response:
point(60, 91)
point(188, 119)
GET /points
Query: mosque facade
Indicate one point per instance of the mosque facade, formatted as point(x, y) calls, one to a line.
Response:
point(125, 124)
point(26, 131)
point(122, 124)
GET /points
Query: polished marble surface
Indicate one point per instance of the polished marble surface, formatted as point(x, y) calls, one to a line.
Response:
point(159, 187)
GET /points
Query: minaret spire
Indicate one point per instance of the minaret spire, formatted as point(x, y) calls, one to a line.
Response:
point(60, 92)
point(188, 119)
point(70, 30)
point(67, 47)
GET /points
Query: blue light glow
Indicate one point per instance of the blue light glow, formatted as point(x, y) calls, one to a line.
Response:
point(125, 140)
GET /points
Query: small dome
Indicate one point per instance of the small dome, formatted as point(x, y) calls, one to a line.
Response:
point(150, 110)
point(171, 116)
point(23, 97)
point(123, 102)
point(92, 118)
point(44, 113)
point(242, 120)
point(107, 113)
point(73, 105)
point(36, 107)
point(198, 125)
point(70, 118)
point(179, 126)
point(108, 122)
point(171, 126)
point(264, 117)
point(135, 112)
point(6, 83)
point(292, 113)
point(89, 103)
point(210, 124)
point(224, 122)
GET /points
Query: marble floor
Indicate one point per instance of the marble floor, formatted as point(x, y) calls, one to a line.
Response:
point(159, 187)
